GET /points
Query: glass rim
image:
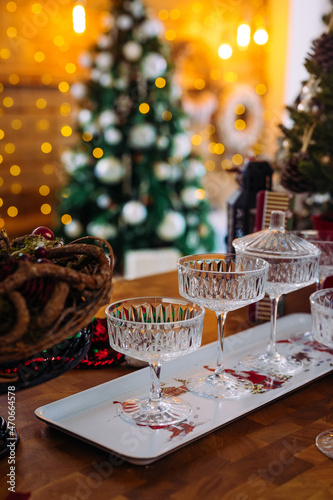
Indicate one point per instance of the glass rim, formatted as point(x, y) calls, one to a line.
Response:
point(195, 257)
point(172, 300)
point(319, 293)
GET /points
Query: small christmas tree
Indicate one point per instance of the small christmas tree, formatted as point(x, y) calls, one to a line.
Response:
point(132, 178)
point(308, 146)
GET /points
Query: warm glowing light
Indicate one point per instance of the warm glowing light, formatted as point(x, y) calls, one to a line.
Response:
point(36, 8)
point(63, 87)
point(199, 84)
point(230, 77)
point(237, 159)
point(197, 7)
point(11, 32)
point(210, 165)
point(98, 152)
point(260, 37)
point(46, 147)
point(218, 148)
point(16, 188)
point(8, 102)
point(211, 146)
point(240, 124)
point(66, 219)
point(15, 170)
point(39, 56)
point(46, 209)
point(48, 169)
point(166, 116)
point(239, 109)
point(1, 202)
point(5, 53)
point(41, 103)
point(226, 164)
point(163, 14)
point(79, 19)
point(261, 89)
point(210, 129)
point(1, 87)
point(9, 148)
point(12, 211)
point(11, 6)
point(200, 194)
point(2, 223)
point(14, 79)
point(174, 14)
point(58, 40)
point(160, 82)
point(44, 190)
point(170, 35)
point(46, 79)
point(87, 136)
point(66, 131)
point(225, 51)
point(243, 35)
point(65, 109)
point(70, 68)
point(43, 124)
point(2, 134)
point(196, 139)
point(144, 108)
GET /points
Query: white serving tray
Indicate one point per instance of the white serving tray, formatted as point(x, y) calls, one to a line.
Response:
point(92, 415)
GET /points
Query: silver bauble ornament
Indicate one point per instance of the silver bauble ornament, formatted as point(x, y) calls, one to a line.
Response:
point(134, 212)
point(109, 170)
point(172, 226)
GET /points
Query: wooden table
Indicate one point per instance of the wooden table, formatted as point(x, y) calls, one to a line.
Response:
point(269, 454)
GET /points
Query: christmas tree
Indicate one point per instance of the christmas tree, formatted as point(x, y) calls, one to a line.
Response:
point(132, 177)
point(307, 146)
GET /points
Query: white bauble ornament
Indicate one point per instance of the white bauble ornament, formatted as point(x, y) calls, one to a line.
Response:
point(142, 135)
point(162, 142)
point(188, 196)
point(109, 170)
point(135, 7)
point(150, 28)
point(124, 22)
point(162, 170)
point(194, 170)
point(73, 229)
point(132, 51)
point(153, 65)
point(121, 83)
point(106, 80)
point(181, 145)
point(107, 118)
point(85, 60)
point(95, 74)
point(192, 220)
point(84, 116)
point(101, 230)
point(103, 201)
point(104, 41)
point(79, 90)
point(172, 226)
point(112, 136)
point(104, 60)
point(134, 212)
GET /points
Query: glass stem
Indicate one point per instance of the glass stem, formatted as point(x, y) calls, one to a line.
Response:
point(155, 389)
point(271, 350)
point(219, 371)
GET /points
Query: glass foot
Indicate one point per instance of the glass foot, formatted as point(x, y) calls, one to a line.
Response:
point(276, 363)
point(168, 411)
point(324, 442)
point(224, 387)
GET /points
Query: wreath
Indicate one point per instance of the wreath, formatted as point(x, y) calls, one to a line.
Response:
point(240, 140)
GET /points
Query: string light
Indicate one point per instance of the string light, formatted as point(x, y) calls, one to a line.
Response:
point(243, 35)
point(79, 18)
point(260, 36)
point(225, 51)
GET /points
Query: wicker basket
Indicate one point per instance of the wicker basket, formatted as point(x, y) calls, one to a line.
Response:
point(43, 301)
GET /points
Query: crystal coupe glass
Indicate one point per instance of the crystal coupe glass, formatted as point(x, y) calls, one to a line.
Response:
point(293, 264)
point(155, 329)
point(321, 303)
point(324, 241)
point(222, 283)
